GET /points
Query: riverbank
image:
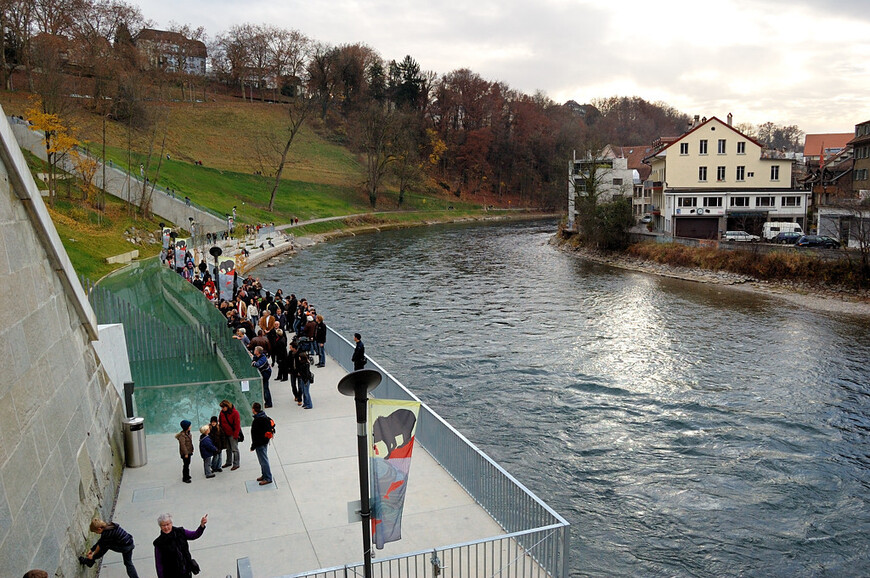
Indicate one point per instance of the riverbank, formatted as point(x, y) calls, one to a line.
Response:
point(832, 300)
point(295, 242)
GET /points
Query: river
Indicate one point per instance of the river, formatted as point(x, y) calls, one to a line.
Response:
point(682, 429)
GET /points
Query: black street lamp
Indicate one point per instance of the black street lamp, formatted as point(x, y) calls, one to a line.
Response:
point(358, 384)
point(216, 252)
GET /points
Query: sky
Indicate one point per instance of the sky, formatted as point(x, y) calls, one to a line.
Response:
point(791, 62)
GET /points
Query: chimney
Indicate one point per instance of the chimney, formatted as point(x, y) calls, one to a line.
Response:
point(694, 122)
point(730, 118)
point(704, 119)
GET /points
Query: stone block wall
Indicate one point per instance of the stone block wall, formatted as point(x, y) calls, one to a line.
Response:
point(61, 447)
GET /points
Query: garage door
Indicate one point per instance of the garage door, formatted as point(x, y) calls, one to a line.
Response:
point(697, 227)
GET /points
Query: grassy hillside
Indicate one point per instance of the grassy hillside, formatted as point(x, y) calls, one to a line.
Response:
point(321, 178)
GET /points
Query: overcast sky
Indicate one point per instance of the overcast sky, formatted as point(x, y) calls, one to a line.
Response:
point(803, 62)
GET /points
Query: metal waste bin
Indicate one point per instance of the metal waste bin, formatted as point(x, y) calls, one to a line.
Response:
point(134, 441)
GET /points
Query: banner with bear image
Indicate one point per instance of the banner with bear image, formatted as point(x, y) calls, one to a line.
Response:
point(392, 425)
point(227, 271)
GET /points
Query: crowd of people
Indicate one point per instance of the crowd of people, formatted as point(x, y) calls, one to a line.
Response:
point(280, 332)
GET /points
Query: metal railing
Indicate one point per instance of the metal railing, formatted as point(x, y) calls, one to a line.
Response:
point(535, 542)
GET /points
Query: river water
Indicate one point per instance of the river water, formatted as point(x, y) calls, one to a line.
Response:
point(683, 429)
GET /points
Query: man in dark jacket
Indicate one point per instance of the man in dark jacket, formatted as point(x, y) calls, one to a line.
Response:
point(112, 537)
point(359, 353)
point(261, 433)
point(320, 341)
point(261, 362)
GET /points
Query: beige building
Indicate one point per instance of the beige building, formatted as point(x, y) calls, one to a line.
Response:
point(714, 178)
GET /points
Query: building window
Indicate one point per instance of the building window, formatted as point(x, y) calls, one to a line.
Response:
point(617, 182)
point(684, 148)
point(687, 201)
point(741, 148)
point(720, 173)
point(791, 201)
point(774, 173)
point(764, 202)
point(739, 201)
point(712, 201)
point(703, 149)
point(721, 146)
point(741, 173)
point(702, 173)
point(861, 174)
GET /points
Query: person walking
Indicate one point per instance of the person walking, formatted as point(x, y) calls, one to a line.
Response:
point(185, 448)
point(359, 353)
point(207, 450)
point(171, 551)
point(261, 433)
point(231, 425)
point(112, 537)
point(261, 362)
point(320, 341)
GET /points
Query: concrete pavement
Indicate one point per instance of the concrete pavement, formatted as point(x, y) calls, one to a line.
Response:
point(300, 522)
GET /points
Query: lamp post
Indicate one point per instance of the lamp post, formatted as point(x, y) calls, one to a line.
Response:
point(216, 252)
point(358, 384)
point(172, 236)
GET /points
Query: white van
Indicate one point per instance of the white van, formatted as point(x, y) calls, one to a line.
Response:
point(774, 228)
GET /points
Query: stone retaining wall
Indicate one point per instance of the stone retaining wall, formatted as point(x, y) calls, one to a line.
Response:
point(61, 450)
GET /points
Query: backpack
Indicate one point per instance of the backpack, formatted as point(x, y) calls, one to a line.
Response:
point(270, 433)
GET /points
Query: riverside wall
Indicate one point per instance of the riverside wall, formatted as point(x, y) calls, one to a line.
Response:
point(61, 446)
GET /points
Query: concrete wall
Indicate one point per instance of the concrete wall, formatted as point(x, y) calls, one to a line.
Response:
point(61, 450)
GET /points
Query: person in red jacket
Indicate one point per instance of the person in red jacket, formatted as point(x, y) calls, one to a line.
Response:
point(231, 425)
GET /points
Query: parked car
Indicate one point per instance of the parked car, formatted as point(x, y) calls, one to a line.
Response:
point(740, 236)
point(646, 219)
point(787, 238)
point(818, 241)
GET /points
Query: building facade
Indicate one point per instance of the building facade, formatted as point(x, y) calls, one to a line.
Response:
point(714, 178)
point(861, 166)
point(604, 174)
point(172, 51)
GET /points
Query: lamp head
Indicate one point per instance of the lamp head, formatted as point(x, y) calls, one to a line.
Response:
point(364, 380)
point(215, 251)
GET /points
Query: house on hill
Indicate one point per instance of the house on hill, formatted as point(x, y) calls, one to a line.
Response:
point(172, 51)
point(714, 178)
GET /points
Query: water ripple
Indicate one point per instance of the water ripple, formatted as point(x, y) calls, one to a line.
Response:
point(683, 429)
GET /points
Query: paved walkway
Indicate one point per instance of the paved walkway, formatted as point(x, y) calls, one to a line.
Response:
point(299, 523)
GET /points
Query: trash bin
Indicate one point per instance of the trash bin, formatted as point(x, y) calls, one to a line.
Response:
point(134, 441)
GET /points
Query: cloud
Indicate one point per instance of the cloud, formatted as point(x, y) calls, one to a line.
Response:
point(780, 60)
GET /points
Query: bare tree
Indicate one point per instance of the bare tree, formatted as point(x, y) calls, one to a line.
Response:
point(274, 148)
point(375, 133)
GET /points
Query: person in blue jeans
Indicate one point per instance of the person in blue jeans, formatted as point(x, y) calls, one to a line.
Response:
point(261, 362)
point(303, 373)
point(320, 341)
point(207, 450)
point(261, 433)
point(112, 537)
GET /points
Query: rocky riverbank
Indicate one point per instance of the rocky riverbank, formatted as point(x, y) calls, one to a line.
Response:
point(829, 299)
